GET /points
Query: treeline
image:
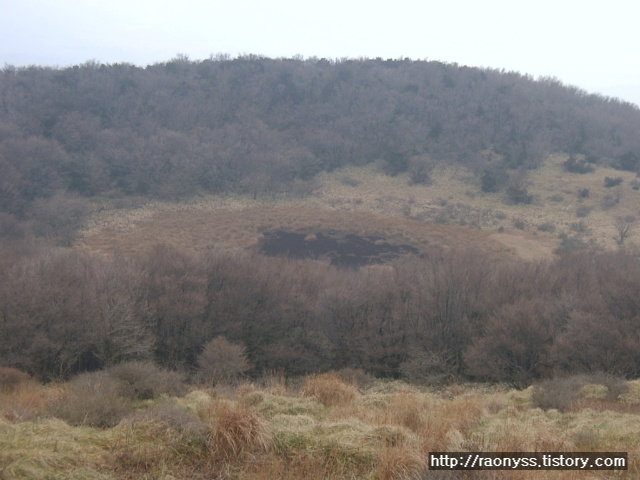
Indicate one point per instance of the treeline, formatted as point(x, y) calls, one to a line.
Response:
point(259, 125)
point(460, 315)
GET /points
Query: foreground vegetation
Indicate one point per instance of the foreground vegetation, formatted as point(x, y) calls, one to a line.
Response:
point(337, 425)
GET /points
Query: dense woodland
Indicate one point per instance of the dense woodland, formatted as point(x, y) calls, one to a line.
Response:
point(257, 125)
point(429, 320)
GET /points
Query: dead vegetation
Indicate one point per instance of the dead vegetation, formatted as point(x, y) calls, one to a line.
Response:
point(383, 431)
point(450, 210)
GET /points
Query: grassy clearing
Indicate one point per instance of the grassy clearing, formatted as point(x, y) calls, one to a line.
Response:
point(384, 431)
point(451, 210)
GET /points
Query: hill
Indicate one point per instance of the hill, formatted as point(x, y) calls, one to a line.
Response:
point(257, 125)
point(243, 197)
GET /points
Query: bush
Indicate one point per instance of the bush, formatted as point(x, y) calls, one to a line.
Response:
point(517, 196)
point(579, 227)
point(60, 217)
point(491, 180)
point(559, 392)
point(144, 380)
point(419, 169)
point(570, 243)
point(610, 182)
point(577, 166)
point(167, 416)
point(426, 368)
point(329, 389)
point(547, 227)
point(12, 378)
point(583, 211)
point(222, 360)
point(609, 202)
point(349, 181)
point(556, 393)
point(93, 399)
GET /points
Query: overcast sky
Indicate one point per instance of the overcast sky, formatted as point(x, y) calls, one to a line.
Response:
point(592, 44)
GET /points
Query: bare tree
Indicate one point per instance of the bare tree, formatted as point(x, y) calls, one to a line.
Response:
point(222, 360)
point(624, 227)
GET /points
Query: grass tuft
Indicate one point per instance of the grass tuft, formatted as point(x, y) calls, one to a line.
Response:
point(236, 430)
point(400, 463)
point(329, 389)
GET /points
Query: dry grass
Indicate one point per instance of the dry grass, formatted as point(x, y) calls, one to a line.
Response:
point(372, 203)
point(12, 378)
point(376, 207)
point(236, 430)
point(329, 389)
point(400, 463)
point(28, 401)
point(385, 432)
point(52, 449)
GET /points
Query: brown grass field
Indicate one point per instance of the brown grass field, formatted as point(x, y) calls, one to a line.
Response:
point(452, 211)
point(317, 428)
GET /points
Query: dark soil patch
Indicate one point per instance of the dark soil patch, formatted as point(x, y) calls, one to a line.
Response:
point(343, 250)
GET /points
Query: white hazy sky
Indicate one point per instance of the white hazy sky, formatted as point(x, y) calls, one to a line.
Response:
point(592, 44)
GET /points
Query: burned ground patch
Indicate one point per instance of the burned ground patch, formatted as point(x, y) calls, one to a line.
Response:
point(345, 250)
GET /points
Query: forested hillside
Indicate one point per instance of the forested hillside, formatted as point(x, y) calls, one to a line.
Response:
point(254, 124)
point(454, 304)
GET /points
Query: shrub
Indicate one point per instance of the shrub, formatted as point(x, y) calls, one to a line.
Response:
point(610, 201)
point(419, 169)
point(583, 211)
point(579, 227)
point(222, 360)
point(559, 392)
point(60, 217)
point(629, 161)
point(349, 181)
point(570, 243)
point(515, 343)
point(491, 180)
point(12, 378)
point(518, 196)
point(168, 416)
point(93, 399)
point(548, 227)
point(556, 393)
point(427, 368)
point(144, 380)
point(329, 389)
point(610, 182)
point(519, 223)
point(577, 166)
